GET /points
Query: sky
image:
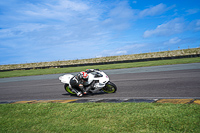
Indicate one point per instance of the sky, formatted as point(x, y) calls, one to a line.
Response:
point(34, 31)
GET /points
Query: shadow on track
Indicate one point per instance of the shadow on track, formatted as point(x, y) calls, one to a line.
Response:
point(85, 95)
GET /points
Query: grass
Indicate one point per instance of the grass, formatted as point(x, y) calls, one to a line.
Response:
point(100, 117)
point(18, 73)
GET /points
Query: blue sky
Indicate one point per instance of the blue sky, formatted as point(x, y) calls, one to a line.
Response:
point(52, 30)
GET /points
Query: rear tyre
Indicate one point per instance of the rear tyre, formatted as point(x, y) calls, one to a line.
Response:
point(110, 88)
point(67, 89)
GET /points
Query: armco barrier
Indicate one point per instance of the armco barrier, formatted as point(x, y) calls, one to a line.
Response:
point(103, 63)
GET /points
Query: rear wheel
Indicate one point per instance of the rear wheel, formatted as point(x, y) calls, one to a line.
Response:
point(69, 90)
point(110, 88)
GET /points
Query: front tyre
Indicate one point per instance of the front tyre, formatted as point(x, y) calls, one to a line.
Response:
point(69, 90)
point(110, 88)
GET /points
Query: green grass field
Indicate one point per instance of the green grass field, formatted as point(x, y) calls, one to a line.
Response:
point(18, 73)
point(100, 118)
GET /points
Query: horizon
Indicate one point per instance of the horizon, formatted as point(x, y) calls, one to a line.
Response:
point(56, 30)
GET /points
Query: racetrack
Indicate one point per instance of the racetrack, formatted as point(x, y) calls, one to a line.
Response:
point(172, 81)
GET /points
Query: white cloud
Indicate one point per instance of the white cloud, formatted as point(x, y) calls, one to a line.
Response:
point(152, 11)
point(195, 25)
point(174, 26)
point(174, 40)
point(76, 6)
point(64, 20)
point(198, 25)
point(122, 50)
point(48, 29)
point(122, 10)
point(134, 2)
point(61, 10)
point(155, 10)
point(119, 17)
point(192, 11)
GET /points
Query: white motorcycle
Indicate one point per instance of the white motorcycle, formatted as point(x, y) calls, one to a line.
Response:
point(102, 82)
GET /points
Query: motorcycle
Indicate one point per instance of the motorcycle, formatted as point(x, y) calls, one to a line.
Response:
point(102, 82)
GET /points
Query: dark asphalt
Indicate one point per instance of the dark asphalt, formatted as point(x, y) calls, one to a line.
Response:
point(181, 81)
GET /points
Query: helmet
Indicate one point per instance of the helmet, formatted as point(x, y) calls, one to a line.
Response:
point(84, 75)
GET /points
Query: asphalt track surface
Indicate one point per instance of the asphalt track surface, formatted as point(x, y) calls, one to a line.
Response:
point(158, 82)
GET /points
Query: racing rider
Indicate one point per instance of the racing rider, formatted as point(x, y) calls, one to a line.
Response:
point(79, 82)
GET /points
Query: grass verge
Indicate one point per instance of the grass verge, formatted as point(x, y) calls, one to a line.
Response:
point(100, 117)
point(18, 73)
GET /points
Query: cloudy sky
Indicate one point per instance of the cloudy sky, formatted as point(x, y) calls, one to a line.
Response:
point(52, 30)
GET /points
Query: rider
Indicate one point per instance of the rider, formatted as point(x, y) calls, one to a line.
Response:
point(79, 82)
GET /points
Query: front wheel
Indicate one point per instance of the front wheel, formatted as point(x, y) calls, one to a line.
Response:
point(69, 90)
point(110, 88)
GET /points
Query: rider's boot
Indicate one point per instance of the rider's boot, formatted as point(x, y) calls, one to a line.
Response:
point(79, 94)
point(84, 92)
